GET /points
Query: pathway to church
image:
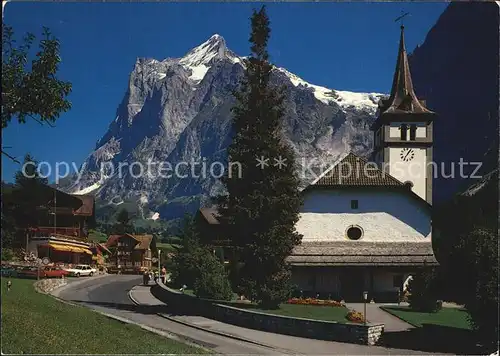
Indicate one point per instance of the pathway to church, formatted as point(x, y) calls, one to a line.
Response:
point(376, 315)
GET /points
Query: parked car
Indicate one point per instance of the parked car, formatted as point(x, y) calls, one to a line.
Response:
point(53, 272)
point(28, 272)
point(8, 271)
point(81, 270)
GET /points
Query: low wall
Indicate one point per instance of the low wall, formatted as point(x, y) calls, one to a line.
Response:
point(48, 285)
point(316, 329)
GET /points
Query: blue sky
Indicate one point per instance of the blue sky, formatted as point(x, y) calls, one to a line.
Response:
point(344, 46)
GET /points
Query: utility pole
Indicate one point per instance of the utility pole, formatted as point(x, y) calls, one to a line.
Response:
point(159, 261)
point(55, 212)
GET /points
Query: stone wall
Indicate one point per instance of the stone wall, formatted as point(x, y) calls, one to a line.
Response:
point(48, 285)
point(315, 329)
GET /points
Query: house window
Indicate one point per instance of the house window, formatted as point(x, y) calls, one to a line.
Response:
point(403, 128)
point(354, 204)
point(354, 232)
point(413, 132)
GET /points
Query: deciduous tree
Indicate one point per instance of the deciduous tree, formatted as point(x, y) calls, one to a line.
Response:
point(30, 89)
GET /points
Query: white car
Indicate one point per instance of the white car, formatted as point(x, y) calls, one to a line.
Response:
point(82, 270)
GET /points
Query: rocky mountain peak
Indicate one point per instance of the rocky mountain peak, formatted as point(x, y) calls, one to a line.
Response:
point(201, 58)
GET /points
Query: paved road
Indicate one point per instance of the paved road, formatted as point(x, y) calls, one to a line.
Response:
point(110, 294)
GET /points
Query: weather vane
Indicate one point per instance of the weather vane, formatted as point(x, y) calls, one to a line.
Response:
point(400, 18)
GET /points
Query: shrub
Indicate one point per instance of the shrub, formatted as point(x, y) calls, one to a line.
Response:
point(483, 307)
point(421, 292)
point(7, 254)
point(211, 281)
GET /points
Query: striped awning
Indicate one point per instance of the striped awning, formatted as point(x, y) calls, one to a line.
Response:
point(68, 248)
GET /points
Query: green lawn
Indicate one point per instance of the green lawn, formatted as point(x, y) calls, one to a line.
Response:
point(450, 317)
point(314, 312)
point(34, 323)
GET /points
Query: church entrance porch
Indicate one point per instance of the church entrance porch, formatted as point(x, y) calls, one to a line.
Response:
point(349, 283)
point(353, 282)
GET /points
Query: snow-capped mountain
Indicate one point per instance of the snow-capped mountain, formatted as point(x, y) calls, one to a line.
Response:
point(178, 110)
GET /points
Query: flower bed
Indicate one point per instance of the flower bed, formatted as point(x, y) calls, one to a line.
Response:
point(355, 317)
point(312, 301)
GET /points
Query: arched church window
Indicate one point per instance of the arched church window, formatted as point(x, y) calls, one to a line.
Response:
point(354, 232)
point(403, 131)
point(413, 132)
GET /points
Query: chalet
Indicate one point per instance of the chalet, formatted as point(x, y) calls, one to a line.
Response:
point(366, 226)
point(99, 253)
point(130, 253)
point(61, 229)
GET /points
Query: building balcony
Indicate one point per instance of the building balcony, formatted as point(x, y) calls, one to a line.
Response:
point(42, 231)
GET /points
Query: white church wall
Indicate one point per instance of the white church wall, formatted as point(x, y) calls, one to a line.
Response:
point(384, 216)
point(414, 171)
point(421, 131)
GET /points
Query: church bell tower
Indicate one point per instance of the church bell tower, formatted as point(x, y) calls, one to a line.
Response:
point(403, 132)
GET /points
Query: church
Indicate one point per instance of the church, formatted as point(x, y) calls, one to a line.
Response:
point(366, 226)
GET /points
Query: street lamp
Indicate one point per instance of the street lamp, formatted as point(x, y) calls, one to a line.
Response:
point(159, 261)
point(365, 299)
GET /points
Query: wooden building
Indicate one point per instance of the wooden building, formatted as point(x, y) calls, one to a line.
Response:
point(130, 253)
point(60, 231)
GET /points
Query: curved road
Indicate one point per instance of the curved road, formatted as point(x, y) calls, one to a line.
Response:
point(109, 294)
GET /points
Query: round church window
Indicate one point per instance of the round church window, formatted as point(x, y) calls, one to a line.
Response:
point(354, 233)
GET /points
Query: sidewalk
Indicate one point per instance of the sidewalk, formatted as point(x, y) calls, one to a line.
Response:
point(141, 295)
point(376, 315)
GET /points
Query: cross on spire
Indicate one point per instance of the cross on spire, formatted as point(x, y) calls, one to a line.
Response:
point(401, 18)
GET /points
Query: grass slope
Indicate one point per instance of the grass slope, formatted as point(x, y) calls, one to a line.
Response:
point(34, 323)
point(449, 317)
point(315, 312)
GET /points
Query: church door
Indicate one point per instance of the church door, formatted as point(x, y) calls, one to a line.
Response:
point(352, 283)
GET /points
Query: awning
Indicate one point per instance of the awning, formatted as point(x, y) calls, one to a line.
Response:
point(68, 248)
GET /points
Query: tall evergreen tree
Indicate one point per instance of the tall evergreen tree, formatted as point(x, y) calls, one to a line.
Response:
point(29, 193)
point(262, 205)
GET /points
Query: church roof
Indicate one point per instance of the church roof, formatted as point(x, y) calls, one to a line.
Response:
point(353, 170)
point(363, 253)
point(210, 215)
point(403, 99)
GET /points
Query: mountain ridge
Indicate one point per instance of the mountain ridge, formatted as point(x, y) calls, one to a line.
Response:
point(177, 109)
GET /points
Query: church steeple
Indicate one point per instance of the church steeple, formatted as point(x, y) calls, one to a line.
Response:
point(403, 132)
point(402, 99)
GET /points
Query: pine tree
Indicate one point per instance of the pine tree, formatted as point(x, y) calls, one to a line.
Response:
point(29, 193)
point(261, 207)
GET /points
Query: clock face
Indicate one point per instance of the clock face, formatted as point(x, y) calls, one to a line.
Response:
point(407, 154)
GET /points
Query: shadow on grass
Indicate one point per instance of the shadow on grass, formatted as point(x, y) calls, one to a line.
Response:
point(433, 338)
